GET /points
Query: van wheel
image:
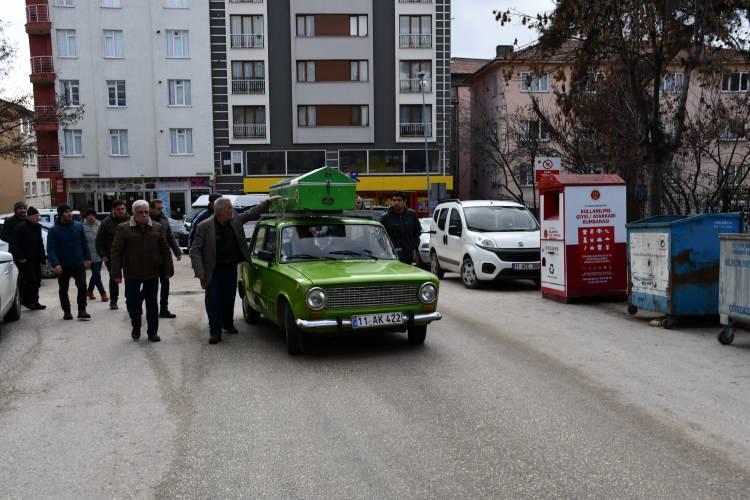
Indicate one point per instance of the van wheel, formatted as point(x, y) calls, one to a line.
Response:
point(468, 275)
point(435, 266)
point(14, 314)
point(417, 334)
point(294, 342)
point(251, 315)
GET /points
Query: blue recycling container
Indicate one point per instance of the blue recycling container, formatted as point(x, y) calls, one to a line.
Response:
point(673, 264)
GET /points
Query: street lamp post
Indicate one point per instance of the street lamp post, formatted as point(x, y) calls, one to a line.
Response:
point(423, 88)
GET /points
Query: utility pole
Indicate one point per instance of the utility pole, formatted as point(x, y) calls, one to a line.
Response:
point(423, 89)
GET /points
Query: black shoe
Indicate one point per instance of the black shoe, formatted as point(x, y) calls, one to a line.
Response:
point(82, 314)
point(39, 307)
point(67, 316)
point(113, 306)
point(231, 329)
point(167, 314)
point(136, 333)
point(214, 339)
point(154, 338)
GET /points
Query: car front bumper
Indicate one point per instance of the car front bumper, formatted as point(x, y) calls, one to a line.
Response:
point(346, 324)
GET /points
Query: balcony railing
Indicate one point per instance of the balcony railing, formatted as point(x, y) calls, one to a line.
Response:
point(38, 13)
point(246, 41)
point(48, 163)
point(416, 129)
point(252, 131)
point(415, 41)
point(249, 86)
point(416, 85)
point(41, 65)
point(45, 114)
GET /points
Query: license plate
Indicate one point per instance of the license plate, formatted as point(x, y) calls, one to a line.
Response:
point(532, 266)
point(377, 320)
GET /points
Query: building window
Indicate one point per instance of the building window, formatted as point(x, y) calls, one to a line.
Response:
point(409, 76)
point(534, 130)
point(360, 116)
point(119, 141)
point(249, 122)
point(305, 71)
point(116, 93)
point(672, 83)
point(26, 189)
point(353, 161)
point(72, 145)
point(248, 77)
point(415, 32)
point(33, 188)
point(732, 130)
point(357, 25)
point(333, 115)
point(534, 83)
point(305, 25)
point(734, 82)
point(414, 123)
point(266, 163)
point(231, 162)
point(113, 44)
point(386, 162)
point(181, 141)
point(66, 43)
point(593, 81)
point(495, 86)
point(177, 44)
point(246, 32)
point(300, 162)
point(71, 92)
point(414, 161)
point(236, 158)
point(359, 71)
point(63, 3)
point(307, 116)
point(179, 93)
point(176, 4)
point(112, 4)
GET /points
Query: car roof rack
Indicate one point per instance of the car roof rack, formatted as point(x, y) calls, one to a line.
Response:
point(450, 200)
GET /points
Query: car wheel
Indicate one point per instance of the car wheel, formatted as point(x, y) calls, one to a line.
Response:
point(435, 266)
point(251, 315)
point(294, 342)
point(14, 314)
point(468, 275)
point(417, 334)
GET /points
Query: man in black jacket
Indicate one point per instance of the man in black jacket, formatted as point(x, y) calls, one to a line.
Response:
point(27, 248)
point(157, 215)
point(402, 225)
point(104, 239)
point(10, 224)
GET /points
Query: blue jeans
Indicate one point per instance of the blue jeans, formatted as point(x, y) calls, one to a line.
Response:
point(96, 278)
point(138, 291)
point(220, 294)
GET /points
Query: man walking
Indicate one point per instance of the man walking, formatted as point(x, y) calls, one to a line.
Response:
point(157, 215)
point(27, 248)
point(104, 239)
point(218, 247)
point(205, 214)
point(69, 257)
point(91, 228)
point(19, 215)
point(402, 225)
point(139, 251)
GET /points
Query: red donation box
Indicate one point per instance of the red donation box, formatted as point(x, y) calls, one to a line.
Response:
point(583, 236)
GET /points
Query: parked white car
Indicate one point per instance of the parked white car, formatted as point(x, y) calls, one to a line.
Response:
point(423, 252)
point(485, 241)
point(10, 296)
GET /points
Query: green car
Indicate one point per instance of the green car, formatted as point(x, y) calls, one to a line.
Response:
point(333, 275)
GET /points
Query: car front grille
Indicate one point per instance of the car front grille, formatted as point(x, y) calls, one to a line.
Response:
point(519, 254)
point(371, 296)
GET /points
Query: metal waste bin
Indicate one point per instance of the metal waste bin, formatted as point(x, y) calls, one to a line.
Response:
point(734, 284)
point(673, 264)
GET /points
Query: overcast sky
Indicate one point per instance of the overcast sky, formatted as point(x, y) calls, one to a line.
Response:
point(475, 33)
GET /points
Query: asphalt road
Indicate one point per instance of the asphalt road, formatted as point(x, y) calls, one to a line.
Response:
point(511, 397)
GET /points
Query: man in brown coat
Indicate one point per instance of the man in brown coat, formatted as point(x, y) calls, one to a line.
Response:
point(139, 250)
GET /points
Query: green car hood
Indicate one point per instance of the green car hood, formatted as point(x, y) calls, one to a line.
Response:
point(359, 272)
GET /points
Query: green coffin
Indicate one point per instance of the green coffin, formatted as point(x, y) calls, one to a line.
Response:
point(322, 190)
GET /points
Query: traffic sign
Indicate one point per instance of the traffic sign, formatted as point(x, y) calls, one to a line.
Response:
point(545, 166)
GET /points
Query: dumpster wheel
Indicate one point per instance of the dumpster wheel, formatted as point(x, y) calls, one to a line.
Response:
point(726, 335)
point(667, 323)
point(632, 310)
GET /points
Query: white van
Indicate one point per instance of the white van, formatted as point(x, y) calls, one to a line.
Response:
point(485, 241)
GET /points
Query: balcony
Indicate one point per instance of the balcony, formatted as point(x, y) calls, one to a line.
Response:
point(42, 70)
point(244, 41)
point(250, 131)
point(415, 41)
point(48, 164)
point(46, 119)
point(249, 86)
point(416, 86)
point(416, 129)
point(37, 19)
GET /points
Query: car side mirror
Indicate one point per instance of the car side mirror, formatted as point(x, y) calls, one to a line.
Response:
point(265, 255)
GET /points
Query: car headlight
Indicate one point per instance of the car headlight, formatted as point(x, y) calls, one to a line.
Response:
point(316, 299)
point(427, 293)
point(485, 242)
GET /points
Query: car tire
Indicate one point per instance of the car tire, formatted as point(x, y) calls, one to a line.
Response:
point(469, 275)
point(435, 266)
point(295, 344)
point(417, 334)
point(251, 316)
point(14, 314)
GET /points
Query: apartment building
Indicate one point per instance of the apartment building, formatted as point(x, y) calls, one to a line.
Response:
point(141, 72)
point(353, 84)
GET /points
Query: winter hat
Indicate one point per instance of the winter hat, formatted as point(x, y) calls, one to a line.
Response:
point(19, 204)
point(61, 209)
point(32, 211)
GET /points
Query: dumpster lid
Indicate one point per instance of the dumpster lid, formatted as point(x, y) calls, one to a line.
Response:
point(560, 180)
point(320, 177)
point(674, 220)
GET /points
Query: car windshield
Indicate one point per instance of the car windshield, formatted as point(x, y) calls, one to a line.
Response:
point(499, 219)
point(335, 242)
